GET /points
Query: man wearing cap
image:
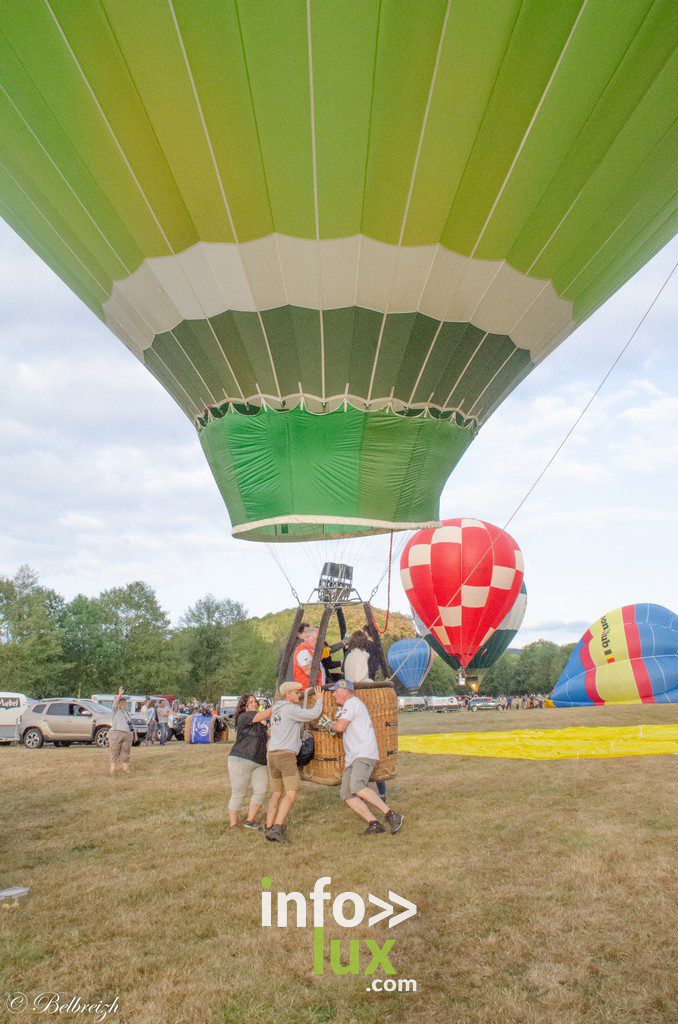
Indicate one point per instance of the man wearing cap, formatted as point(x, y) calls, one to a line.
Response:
point(287, 718)
point(354, 725)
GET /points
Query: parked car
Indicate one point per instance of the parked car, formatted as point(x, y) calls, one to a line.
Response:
point(411, 703)
point(140, 727)
point(66, 720)
point(106, 699)
point(12, 707)
point(443, 704)
point(484, 704)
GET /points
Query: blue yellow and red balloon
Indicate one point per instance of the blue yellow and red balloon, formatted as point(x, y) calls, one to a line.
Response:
point(629, 656)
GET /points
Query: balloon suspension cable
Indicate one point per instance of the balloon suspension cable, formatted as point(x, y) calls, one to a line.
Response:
point(564, 441)
point(279, 560)
point(388, 587)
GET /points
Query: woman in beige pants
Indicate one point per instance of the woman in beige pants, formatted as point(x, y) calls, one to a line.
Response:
point(120, 735)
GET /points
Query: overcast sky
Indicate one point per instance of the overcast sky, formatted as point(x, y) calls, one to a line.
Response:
point(102, 479)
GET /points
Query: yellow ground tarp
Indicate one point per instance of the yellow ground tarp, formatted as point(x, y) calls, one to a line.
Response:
point(550, 744)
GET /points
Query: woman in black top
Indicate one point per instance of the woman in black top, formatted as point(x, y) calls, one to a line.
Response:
point(247, 760)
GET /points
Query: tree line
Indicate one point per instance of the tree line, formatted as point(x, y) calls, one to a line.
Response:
point(123, 637)
point(533, 669)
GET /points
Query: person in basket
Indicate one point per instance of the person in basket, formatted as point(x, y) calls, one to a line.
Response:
point(303, 658)
point(354, 725)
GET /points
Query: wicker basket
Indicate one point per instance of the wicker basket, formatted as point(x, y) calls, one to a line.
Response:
point(187, 729)
point(217, 735)
point(327, 764)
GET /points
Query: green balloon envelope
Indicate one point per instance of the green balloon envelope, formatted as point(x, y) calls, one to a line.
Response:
point(339, 234)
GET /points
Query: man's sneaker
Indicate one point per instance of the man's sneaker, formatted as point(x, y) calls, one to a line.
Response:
point(251, 823)
point(375, 828)
point(395, 821)
point(274, 833)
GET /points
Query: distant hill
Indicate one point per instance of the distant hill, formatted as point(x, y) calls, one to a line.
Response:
point(275, 627)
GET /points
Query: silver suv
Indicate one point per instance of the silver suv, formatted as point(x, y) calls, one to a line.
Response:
point(64, 721)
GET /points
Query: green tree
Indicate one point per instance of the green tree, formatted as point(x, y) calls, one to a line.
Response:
point(219, 650)
point(502, 677)
point(535, 667)
point(250, 662)
point(90, 644)
point(136, 632)
point(31, 653)
point(440, 681)
point(227, 659)
point(209, 611)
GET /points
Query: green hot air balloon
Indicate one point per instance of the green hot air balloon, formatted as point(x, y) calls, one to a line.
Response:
point(338, 233)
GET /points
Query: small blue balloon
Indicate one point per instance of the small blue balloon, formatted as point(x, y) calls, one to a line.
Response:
point(410, 660)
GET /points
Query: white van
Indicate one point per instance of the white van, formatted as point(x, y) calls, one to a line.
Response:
point(443, 704)
point(411, 703)
point(135, 702)
point(227, 706)
point(12, 707)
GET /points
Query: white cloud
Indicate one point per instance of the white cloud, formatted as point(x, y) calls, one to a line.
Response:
point(76, 521)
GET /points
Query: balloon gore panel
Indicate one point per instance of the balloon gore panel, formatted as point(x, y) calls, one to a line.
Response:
point(291, 475)
point(493, 648)
point(629, 656)
point(410, 660)
point(388, 208)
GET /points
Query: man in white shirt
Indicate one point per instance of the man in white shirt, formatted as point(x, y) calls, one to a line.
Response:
point(354, 725)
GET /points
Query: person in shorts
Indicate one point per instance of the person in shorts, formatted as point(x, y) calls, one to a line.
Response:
point(354, 725)
point(287, 718)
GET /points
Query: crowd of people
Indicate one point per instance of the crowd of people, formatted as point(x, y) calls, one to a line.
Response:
point(272, 737)
point(156, 715)
point(266, 753)
point(525, 702)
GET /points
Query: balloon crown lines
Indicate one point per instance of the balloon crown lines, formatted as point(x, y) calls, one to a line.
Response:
point(358, 956)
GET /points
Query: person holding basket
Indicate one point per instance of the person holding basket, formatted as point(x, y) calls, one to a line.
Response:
point(287, 719)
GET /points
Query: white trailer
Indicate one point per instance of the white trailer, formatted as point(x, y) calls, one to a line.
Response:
point(12, 707)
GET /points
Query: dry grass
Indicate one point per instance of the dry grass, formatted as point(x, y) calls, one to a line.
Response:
point(543, 887)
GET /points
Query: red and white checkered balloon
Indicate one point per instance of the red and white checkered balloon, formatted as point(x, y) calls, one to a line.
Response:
point(461, 580)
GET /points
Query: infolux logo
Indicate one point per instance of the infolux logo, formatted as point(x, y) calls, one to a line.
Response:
point(348, 910)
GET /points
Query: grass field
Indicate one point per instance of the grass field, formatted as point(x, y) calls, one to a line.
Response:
point(543, 888)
